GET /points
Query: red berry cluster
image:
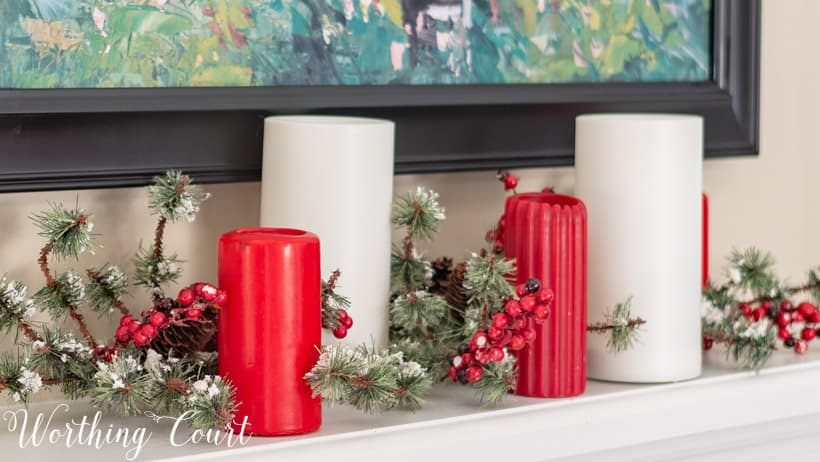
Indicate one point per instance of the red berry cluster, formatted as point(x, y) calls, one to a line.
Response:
point(784, 315)
point(343, 323)
point(509, 328)
point(787, 314)
point(189, 305)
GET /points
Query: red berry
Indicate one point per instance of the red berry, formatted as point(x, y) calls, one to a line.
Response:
point(759, 313)
point(123, 335)
point(133, 328)
point(186, 297)
point(498, 246)
point(527, 303)
point(474, 373)
point(808, 333)
point(806, 309)
point(340, 332)
point(148, 330)
point(783, 319)
point(784, 333)
point(108, 357)
point(221, 298)
point(483, 356)
point(125, 320)
point(519, 323)
point(198, 287)
point(347, 321)
point(766, 304)
point(452, 373)
point(140, 340)
point(195, 313)
point(492, 235)
point(517, 342)
point(512, 308)
point(797, 317)
point(342, 314)
point(815, 317)
point(479, 340)
point(510, 182)
point(545, 296)
point(528, 334)
point(521, 289)
point(208, 292)
point(158, 319)
point(541, 312)
point(495, 333)
point(496, 354)
point(746, 309)
point(501, 320)
point(707, 343)
point(467, 358)
point(801, 346)
point(786, 305)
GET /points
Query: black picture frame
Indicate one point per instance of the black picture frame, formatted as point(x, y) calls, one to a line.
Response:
point(92, 138)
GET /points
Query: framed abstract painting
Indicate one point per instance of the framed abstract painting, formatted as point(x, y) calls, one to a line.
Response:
point(132, 87)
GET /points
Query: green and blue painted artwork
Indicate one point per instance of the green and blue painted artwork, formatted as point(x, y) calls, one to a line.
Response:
point(194, 43)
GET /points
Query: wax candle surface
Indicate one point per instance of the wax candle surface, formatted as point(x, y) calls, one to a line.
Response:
point(641, 180)
point(270, 326)
point(334, 177)
point(547, 235)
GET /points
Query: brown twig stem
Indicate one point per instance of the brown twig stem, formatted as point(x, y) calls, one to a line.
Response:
point(159, 234)
point(78, 317)
point(52, 283)
point(43, 262)
point(601, 327)
point(28, 331)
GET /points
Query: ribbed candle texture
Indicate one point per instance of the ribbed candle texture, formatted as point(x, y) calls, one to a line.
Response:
point(270, 326)
point(334, 177)
point(546, 233)
point(640, 176)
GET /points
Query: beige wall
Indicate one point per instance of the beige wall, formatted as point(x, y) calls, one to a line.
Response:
point(766, 201)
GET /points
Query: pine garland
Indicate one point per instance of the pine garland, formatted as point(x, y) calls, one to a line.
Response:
point(105, 288)
point(173, 197)
point(749, 341)
point(622, 328)
point(370, 380)
point(125, 380)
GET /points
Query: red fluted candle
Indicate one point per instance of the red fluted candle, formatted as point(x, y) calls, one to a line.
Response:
point(547, 235)
point(705, 257)
point(270, 327)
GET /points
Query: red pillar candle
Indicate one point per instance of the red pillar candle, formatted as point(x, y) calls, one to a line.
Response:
point(547, 235)
point(270, 326)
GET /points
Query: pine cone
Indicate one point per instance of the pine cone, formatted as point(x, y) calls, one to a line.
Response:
point(442, 268)
point(456, 296)
point(187, 336)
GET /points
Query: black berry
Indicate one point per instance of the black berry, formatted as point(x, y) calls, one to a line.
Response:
point(771, 312)
point(532, 285)
point(462, 376)
point(463, 348)
point(789, 342)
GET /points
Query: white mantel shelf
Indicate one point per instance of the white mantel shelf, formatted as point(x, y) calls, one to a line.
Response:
point(761, 416)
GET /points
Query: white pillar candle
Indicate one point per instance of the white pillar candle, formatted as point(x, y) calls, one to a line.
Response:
point(640, 176)
point(333, 176)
